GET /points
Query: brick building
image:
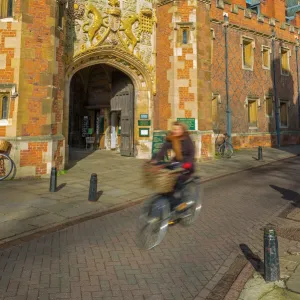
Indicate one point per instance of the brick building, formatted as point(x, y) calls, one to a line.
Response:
point(119, 71)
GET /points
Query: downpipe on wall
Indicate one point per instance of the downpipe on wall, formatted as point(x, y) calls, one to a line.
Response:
point(277, 112)
point(228, 109)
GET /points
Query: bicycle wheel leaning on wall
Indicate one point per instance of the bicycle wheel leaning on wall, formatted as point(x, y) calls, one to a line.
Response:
point(6, 163)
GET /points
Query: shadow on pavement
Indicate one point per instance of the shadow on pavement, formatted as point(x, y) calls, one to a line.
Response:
point(61, 186)
point(286, 193)
point(254, 259)
point(78, 154)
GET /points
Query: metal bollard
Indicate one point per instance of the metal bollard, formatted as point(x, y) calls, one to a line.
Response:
point(260, 155)
point(93, 188)
point(271, 257)
point(53, 180)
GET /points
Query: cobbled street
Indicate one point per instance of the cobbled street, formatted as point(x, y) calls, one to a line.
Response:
point(99, 259)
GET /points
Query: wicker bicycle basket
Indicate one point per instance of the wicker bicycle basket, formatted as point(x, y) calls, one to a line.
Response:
point(4, 146)
point(160, 180)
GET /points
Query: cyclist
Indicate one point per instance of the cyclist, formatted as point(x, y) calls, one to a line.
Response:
point(181, 143)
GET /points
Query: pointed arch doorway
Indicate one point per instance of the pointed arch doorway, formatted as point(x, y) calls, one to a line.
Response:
point(105, 106)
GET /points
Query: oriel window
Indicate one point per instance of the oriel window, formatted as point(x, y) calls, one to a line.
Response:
point(6, 9)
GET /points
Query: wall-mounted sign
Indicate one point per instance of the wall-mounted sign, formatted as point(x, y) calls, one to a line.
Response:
point(144, 132)
point(189, 122)
point(144, 116)
point(144, 122)
point(158, 141)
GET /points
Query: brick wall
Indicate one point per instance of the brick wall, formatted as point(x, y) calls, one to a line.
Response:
point(256, 83)
point(164, 50)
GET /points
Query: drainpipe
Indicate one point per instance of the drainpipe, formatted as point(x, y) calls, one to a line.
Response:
point(298, 78)
point(277, 113)
point(228, 110)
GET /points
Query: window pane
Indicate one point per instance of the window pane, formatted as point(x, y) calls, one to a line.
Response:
point(247, 54)
point(10, 8)
point(4, 114)
point(214, 111)
point(266, 58)
point(283, 114)
point(269, 106)
point(252, 113)
point(184, 36)
point(284, 61)
point(60, 14)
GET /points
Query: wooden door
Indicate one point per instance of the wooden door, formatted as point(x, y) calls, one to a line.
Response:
point(123, 101)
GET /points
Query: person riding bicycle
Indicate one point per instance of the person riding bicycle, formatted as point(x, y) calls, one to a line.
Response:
point(181, 143)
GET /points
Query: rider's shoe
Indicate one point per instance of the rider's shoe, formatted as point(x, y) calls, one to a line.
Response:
point(181, 207)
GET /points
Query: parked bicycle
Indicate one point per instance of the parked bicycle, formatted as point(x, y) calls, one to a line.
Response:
point(225, 149)
point(161, 210)
point(6, 163)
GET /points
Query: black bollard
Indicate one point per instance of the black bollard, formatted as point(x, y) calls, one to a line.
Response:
point(271, 257)
point(53, 180)
point(93, 188)
point(260, 155)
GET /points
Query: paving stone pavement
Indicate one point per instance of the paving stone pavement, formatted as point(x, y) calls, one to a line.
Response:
point(27, 206)
point(99, 259)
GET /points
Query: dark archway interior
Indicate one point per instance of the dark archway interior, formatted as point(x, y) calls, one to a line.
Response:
point(101, 101)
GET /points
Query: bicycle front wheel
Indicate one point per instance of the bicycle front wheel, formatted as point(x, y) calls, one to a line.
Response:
point(226, 150)
point(6, 166)
point(152, 228)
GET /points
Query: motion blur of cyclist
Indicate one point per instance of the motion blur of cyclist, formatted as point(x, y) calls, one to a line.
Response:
point(181, 143)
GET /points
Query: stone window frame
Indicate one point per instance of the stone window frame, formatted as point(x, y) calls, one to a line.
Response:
point(271, 97)
point(289, 54)
point(179, 27)
point(8, 18)
point(267, 48)
point(288, 103)
point(8, 90)
point(249, 39)
point(258, 106)
point(216, 96)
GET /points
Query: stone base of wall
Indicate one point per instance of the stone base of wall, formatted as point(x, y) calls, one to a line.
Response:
point(240, 141)
point(35, 156)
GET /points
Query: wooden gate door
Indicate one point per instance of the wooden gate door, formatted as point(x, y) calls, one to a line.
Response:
point(123, 100)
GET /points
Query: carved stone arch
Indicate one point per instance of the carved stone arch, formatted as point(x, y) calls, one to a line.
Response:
point(115, 57)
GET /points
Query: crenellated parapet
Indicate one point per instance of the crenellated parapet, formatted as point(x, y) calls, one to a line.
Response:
point(270, 18)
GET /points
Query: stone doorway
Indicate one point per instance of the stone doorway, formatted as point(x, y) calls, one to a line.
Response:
point(101, 110)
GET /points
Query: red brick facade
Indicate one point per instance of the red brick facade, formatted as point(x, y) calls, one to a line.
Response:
point(256, 83)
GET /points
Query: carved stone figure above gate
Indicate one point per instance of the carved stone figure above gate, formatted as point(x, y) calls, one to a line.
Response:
point(129, 24)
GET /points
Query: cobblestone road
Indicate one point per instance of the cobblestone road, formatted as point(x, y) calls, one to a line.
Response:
point(99, 259)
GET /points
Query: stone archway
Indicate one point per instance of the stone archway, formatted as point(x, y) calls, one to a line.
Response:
point(135, 70)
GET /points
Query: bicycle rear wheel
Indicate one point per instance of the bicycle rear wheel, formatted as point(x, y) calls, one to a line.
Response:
point(6, 166)
point(226, 150)
point(192, 192)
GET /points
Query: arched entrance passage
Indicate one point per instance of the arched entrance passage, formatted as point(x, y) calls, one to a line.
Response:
point(101, 109)
point(141, 78)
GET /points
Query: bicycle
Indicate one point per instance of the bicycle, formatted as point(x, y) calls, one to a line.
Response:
point(225, 149)
point(161, 210)
point(6, 163)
